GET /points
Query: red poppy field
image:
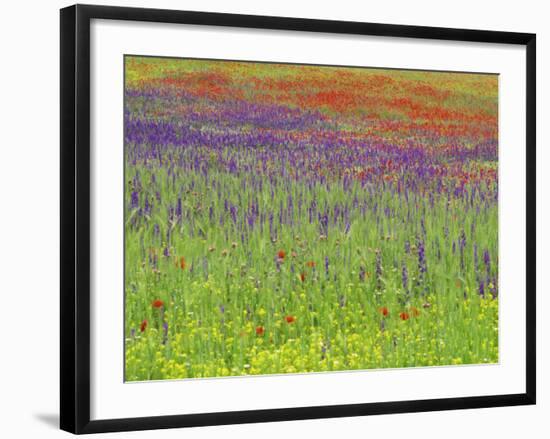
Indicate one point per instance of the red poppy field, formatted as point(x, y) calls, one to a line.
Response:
point(293, 218)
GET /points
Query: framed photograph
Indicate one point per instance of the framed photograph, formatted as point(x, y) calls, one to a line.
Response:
point(267, 219)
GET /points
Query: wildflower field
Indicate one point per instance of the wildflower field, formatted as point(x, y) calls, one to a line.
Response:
point(296, 218)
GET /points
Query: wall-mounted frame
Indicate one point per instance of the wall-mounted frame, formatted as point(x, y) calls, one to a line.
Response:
point(150, 305)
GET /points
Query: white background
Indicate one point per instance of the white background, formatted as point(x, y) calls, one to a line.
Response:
point(29, 247)
point(112, 398)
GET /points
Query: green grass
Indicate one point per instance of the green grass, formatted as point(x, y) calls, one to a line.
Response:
point(338, 323)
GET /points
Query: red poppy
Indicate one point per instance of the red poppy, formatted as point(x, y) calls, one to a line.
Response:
point(415, 311)
point(260, 330)
point(302, 277)
point(404, 315)
point(281, 254)
point(143, 326)
point(384, 311)
point(310, 264)
point(182, 263)
point(290, 319)
point(157, 303)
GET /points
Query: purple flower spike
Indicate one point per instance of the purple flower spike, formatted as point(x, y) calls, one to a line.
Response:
point(422, 266)
point(378, 270)
point(362, 273)
point(164, 332)
point(134, 201)
point(487, 260)
point(481, 288)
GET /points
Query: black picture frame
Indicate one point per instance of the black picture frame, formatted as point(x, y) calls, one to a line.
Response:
point(75, 217)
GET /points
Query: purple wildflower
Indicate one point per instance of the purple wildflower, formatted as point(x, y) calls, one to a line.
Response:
point(164, 332)
point(362, 273)
point(378, 270)
point(481, 289)
point(134, 200)
point(487, 260)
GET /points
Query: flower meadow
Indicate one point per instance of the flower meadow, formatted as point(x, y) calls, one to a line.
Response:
point(297, 218)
